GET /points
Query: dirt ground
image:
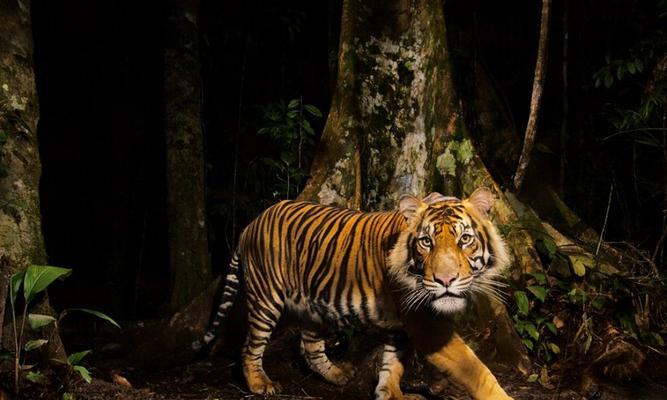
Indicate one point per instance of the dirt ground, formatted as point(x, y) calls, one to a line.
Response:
point(218, 377)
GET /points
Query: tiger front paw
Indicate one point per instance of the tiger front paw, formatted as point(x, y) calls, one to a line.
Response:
point(261, 384)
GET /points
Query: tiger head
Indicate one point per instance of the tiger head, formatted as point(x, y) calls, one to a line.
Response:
point(449, 251)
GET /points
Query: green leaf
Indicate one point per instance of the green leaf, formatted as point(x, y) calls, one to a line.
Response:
point(38, 277)
point(608, 80)
point(294, 103)
point(34, 344)
point(75, 358)
point(554, 348)
point(15, 285)
point(547, 247)
point(538, 291)
point(97, 314)
point(532, 378)
point(631, 67)
point(68, 396)
point(307, 127)
point(532, 331)
point(3, 137)
point(312, 110)
point(620, 72)
point(528, 343)
point(522, 301)
point(35, 377)
point(287, 157)
point(539, 277)
point(551, 327)
point(598, 304)
point(83, 371)
point(37, 321)
point(579, 262)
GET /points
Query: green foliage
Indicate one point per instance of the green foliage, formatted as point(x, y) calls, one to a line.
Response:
point(635, 85)
point(37, 321)
point(75, 358)
point(97, 314)
point(74, 361)
point(35, 377)
point(34, 344)
point(38, 277)
point(34, 280)
point(288, 125)
point(83, 371)
point(562, 307)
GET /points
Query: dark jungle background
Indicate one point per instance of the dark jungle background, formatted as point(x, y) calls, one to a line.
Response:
point(100, 69)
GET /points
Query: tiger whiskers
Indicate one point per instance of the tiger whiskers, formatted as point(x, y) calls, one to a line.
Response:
point(491, 288)
point(414, 299)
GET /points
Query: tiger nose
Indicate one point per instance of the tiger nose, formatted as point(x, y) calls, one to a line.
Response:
point(445, 279)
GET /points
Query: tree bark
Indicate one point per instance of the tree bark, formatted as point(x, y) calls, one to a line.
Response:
point(21, 241)
point(538, 86)
point(186, 209)
point(396, 126)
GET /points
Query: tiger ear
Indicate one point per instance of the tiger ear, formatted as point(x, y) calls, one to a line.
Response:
point(410, 206)
point(482, 199)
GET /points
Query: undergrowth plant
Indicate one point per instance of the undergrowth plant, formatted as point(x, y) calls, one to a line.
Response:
point(288, 125)
point(34, 280)
point(557, 312)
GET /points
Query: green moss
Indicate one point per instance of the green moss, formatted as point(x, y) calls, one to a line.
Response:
point(446, 163)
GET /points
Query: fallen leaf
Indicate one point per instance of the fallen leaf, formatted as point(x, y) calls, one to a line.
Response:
point(120, 380)
point(558, 322)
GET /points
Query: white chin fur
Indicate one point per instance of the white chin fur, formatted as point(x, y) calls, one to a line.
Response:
point(448, 305)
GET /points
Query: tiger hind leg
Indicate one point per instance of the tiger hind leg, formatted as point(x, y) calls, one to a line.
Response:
point(262, 319)
point(312, 350)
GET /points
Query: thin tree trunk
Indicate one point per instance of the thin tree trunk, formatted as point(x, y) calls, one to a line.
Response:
point(21, 241)
point(566, 105)
point(538, 86)
point(186, 208)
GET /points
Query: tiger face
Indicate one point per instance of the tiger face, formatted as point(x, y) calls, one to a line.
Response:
point(449, 251)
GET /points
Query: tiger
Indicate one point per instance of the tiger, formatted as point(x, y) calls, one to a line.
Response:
point(404, 272)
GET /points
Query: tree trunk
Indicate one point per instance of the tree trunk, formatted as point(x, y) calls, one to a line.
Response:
point(536, 98)
point(396, 126)
point(186, 209)
point(21, 241)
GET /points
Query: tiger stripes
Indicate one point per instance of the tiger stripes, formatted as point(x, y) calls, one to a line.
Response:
point(331, 266)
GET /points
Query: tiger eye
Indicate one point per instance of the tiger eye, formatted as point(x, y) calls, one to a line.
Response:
point(426, 241)
point(465, 239)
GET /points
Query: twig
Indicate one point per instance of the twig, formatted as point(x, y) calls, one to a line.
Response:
point(658, 245)
point(606, 217)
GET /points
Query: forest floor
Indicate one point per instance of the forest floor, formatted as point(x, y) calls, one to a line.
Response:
point(219, 377)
